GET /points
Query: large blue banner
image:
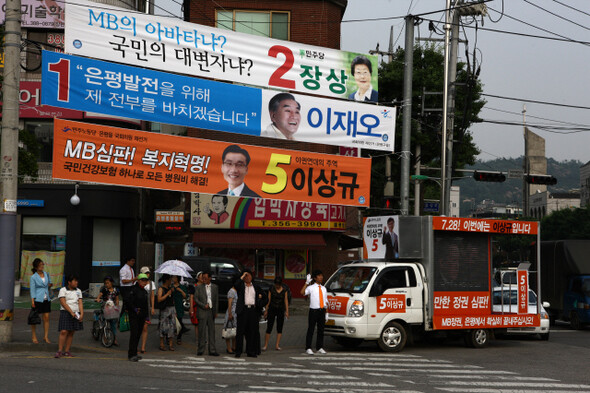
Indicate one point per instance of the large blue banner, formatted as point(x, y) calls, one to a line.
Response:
point(118, 90)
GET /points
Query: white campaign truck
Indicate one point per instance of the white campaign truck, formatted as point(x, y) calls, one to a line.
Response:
point(441, 281)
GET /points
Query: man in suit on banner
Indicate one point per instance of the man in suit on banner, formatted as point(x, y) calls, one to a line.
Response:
point(234, 169)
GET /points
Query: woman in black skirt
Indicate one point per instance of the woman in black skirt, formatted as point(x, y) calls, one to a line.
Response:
point(70, 315)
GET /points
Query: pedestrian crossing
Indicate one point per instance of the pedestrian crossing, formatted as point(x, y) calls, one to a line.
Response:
point(358, 372)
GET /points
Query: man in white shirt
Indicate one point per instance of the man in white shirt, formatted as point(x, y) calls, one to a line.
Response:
point(127, 277)
point(318, 303)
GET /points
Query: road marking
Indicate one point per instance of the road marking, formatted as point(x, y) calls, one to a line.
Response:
point(476, 372)
point(229, 368)
point(350, 383)
point(303, 389)
point(366, 359)
point(268, 374)
point(367, 366)
point(522, 384)
point(510, 378)
point(468, 390)
point(221, 362)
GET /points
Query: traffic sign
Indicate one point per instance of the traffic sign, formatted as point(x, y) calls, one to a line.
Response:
point(515, 173)
point(431, 207)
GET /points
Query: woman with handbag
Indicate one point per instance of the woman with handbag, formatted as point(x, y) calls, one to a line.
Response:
point(277, 307)
point(165, 303)
point(230, 323)
point(40, 284)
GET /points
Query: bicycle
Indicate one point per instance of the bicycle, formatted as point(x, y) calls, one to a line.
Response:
point(101, 329)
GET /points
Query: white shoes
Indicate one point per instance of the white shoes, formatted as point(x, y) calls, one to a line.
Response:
point(309, 352)
point(321, 351)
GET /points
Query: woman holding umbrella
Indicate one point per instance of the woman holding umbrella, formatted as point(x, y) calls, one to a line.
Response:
point(167, 327)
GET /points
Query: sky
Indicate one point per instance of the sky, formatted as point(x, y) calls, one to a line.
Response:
point(512, 65)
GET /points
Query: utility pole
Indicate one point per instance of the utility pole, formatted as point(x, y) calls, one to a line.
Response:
point(407, 116)
point(525, 166)
point(9, 165)
point(443, 153)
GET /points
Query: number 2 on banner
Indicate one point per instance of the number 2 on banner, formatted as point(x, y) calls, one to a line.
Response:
point(274, 170)
point(62, 68)
point(276, 79)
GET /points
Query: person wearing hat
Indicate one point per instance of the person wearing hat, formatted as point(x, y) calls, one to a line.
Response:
point(137, 305)
point(150, 288)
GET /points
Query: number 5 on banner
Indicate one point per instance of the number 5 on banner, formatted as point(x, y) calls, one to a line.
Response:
point(273, 170)
point(62, 68)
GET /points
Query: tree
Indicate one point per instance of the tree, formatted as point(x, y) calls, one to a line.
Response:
point(426, 130)
point(566, 224)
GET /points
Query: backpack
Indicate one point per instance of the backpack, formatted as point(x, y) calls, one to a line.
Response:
point(159, 305)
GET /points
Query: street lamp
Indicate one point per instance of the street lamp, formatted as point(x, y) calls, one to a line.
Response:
point(75, 199)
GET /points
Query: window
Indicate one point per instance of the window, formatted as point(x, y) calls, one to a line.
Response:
point(274, 24)
point(351, 279)
point(106, 249)
point(397, 277)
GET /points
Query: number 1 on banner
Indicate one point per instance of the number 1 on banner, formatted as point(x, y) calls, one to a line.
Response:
point(62, 68)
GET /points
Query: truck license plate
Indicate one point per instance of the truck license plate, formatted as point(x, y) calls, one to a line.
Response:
point(330, 322)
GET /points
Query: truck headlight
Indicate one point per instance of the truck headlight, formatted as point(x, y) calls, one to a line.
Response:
point(357, 309)
point(544, 315)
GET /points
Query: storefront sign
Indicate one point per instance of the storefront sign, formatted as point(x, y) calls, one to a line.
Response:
point(84, 84)
point(224, 212)
point(30, 203)
point(110, 155)
point(295, 264)
point(118, 35)
point(380, 237)
point(30, 104)
point(39, 14)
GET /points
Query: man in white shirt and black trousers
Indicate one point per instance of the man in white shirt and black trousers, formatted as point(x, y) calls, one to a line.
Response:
point(318, 303)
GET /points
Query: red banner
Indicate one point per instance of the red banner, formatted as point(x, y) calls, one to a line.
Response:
point(454, 303)
point(337, 304)
point(391, 303)
point(486, 321)
point(523, 291)
point(486, 226)
point(102, 154)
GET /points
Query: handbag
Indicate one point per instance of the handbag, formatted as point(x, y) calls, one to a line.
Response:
point(228, 332)
point(33, 318)
point(124, 322)
point(178, 325)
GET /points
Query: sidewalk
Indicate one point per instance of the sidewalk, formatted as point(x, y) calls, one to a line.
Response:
point(294, 332)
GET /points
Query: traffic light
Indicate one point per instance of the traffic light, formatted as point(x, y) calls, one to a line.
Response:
point(489, 176)
point(540, 179)
point(388, 202)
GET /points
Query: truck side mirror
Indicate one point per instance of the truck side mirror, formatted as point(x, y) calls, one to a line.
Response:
point(546, 304)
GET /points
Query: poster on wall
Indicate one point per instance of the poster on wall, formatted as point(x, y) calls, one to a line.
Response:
point(230, 212)
point(118, 35)
point(111, 155)
point(112, 89)
point(295, 264)
point(38, 14)
point(380, 237)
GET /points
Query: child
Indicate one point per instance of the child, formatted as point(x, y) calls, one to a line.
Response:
point(110, 293)
point(70, 315)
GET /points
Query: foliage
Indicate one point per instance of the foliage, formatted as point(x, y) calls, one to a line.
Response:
point(426, 125)
point(566, 224)
point(28, 155)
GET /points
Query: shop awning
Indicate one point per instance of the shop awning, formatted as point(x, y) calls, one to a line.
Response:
point(347, 242)
point(236, 239)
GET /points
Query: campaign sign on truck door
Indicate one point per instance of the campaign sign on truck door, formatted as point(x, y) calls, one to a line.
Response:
point(118, 90)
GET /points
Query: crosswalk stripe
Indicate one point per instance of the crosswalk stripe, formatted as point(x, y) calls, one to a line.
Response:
point(371, 366)
point(485, 390)
point(269, 374)
point(268, 389)
point(221, 363)
point(366, 359)
point(380, 355)
point(521, 384)
point(351, 383)
point(228, 368)
point(511, 377)
point(475, 372)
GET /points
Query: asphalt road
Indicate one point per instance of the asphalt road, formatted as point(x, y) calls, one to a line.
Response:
point(511, 365)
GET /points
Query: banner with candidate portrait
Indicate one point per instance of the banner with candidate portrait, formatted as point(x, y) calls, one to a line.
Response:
point(229, 212)
point(79, 83)
point(381, 237)
point(111, 155)
point(115, 34)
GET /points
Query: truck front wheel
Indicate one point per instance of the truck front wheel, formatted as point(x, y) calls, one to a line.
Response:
point(393, 337)
point(575, 321)
point(477, 338)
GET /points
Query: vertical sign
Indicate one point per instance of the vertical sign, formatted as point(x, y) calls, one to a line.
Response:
point(523, 291)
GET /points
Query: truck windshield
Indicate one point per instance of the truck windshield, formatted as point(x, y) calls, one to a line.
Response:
point(351, 279)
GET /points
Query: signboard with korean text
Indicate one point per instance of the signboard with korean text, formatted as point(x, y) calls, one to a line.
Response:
point(118, 35)
point(380, 237)
point(30, 104)
point(337, 304)
point(225, 212)
point(523, 291)
point(395, 303)
point(39, 14)
point(110, 155)
point(133, 92)
point(484, 226)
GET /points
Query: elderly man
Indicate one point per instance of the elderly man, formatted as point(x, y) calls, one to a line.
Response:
point(285, 116)
point(206, 298)
point(249, 305)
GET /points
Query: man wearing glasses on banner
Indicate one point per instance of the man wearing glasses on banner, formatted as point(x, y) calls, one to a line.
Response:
point(234, 169)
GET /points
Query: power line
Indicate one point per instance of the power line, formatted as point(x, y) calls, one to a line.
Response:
point(570, 7)
point(556, 15)
point(534, 117)
point(553, 129)
point(536, 101)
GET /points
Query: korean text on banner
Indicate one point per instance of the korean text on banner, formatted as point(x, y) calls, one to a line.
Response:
point(46, 14)
point(115, 34)
point(110, 155)
point(134, 92)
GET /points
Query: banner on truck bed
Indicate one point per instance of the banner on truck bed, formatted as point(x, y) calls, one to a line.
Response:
point(110, 155)
point(168, 44)
point(380, 237)
point(75, 82)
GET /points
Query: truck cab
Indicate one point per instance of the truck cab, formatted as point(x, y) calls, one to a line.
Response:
point(369, 300)
point(576, 301)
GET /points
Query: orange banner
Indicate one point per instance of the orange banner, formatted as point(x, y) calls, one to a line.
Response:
point(337, 304)
point(109, 155)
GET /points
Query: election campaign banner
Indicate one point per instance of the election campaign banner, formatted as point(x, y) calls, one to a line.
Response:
point(39, 14)
point(115, 34)
point(110, 155)
point(96, 86)
point(230, 212)
point(380, 237)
